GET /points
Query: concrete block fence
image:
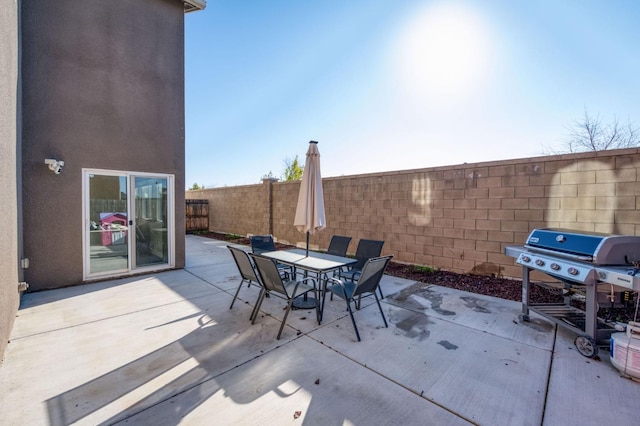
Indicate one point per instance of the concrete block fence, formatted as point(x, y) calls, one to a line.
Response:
point(457, 218)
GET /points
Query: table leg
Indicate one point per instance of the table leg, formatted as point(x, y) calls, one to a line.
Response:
point(304, 301)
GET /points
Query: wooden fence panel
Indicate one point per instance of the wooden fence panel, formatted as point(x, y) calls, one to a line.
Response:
point(197, 215)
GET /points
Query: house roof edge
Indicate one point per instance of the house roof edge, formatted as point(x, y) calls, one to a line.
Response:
point(194, 5)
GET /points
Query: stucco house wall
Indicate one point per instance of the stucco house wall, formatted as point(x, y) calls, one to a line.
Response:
point(9, 128)
point(103, 88)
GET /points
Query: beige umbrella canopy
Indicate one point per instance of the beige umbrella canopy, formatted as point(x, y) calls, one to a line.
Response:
point(310, 210)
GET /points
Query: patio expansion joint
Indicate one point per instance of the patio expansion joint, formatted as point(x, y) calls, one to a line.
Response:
point(40, 333)
point(207, 282)
point(377, 373)
point(231, 292)
point(551, 352)
point(222, 290)
point(546, 393)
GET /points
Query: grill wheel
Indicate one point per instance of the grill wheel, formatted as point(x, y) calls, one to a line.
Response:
point(586, 346)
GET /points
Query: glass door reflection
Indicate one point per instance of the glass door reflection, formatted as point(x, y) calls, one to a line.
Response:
point(108, 224)
point(151, 245)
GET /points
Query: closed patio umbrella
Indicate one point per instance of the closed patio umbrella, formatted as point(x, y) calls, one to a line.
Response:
point(310, 210)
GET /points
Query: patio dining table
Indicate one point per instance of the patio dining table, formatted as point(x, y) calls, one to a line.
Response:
point(316, 262)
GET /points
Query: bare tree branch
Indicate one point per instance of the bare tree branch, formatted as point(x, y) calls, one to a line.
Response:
point(591, 134)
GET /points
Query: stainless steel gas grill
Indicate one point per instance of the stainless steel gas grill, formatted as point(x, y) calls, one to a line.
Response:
point(587, 262)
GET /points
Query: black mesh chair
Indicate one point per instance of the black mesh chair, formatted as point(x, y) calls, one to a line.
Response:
point(339, 245)
point(351, 291)
point(247, 271)
point(367, 249)
point(273, 284)
point(264, 243)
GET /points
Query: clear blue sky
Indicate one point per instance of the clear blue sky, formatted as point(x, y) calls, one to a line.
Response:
point(398, 84)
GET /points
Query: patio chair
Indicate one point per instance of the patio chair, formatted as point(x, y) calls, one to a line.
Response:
point(339, 245)
point(351, 290)
point(246, 269)
point(273, 284)
point(367, 249)
point(263, 243)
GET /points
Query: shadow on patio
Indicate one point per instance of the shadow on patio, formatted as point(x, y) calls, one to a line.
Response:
point(166, 349)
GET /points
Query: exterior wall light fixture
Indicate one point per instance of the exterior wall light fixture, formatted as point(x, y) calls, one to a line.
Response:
point(54, 165)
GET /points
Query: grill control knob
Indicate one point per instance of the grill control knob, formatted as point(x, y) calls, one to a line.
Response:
point(555, 266)
point(602, 275)
point(539, 262)
point(573, 271)
point(526, 259)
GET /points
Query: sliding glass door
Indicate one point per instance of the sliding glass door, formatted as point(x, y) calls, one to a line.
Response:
point(128, 222)
point(151, 220)
point(107, 223)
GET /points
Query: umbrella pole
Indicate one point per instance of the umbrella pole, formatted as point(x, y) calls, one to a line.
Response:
point(303, 301)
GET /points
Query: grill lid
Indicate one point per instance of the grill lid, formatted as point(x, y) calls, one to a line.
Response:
point(601, 249)
point(565, 240)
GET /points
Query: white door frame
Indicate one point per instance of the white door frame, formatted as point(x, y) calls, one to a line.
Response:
point(131, 241)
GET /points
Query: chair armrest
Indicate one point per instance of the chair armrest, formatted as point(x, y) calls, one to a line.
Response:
point(304, 280)
point(338, 282)
point(352, 274)
point(307, 279)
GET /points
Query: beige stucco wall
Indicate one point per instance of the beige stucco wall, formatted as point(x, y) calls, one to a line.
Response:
point(459, 218)
point(9, 296)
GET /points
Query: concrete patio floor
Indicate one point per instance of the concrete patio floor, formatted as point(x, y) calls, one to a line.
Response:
point(164, 349)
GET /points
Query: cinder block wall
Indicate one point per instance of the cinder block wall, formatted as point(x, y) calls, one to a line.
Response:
point(285, 200)
point(239, 210)
point(459, 218)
